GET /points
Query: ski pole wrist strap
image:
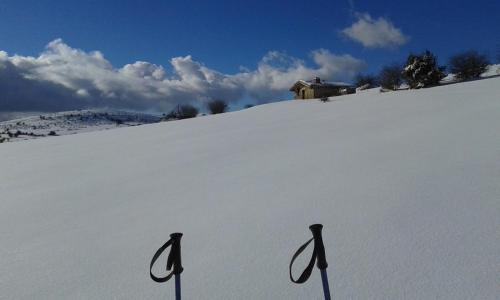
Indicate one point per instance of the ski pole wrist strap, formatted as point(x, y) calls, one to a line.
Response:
point(174, 258)
point(317, 255)
point(308, 270)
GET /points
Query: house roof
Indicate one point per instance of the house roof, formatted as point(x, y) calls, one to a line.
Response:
point(313, 83)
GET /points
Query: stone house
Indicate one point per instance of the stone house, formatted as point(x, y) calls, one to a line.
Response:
point(317, 88)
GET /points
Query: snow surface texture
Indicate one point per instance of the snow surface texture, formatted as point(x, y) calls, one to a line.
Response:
point(70, 122)
point(407, 185)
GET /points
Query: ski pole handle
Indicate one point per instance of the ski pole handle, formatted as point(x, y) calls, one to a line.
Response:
point(319, 247)
point(318, 256)
point(174, 261)
point(174, 257)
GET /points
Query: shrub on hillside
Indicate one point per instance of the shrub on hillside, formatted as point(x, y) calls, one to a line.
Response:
point(366, 81)
point(468, 65)
point(422, 70)
point(217, 106)
point(390, 77)
point(180, 112)
point(187, 111)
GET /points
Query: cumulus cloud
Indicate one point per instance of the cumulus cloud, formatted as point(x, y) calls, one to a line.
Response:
point(375, 33)
point(64, 78)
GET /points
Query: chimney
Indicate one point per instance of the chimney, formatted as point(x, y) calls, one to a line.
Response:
point(317, 80)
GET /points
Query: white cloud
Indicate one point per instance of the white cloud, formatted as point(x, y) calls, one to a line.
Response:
point(375, 33)
point(63, 78)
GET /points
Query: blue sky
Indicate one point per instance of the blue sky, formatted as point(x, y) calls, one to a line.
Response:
point(230, 36)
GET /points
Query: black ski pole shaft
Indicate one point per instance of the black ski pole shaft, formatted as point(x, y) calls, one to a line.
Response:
point(174, 262)
point(326, 287)
point(177, 286)
point(321, 257)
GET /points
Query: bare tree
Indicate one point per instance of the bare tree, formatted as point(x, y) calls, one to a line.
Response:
point(369, 80)
point(390, 77)
point(217, 106)
point(468, 65)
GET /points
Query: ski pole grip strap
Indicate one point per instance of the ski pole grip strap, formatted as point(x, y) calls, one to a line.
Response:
point(318, 254)
point(308, 270)
point(319, 248)
point(174, 258)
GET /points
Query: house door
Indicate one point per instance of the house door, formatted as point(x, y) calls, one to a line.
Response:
point(303, 96)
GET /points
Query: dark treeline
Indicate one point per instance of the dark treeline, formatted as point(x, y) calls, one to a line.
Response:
point(423, 70)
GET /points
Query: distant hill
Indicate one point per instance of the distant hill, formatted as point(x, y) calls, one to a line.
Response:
point(70, 122)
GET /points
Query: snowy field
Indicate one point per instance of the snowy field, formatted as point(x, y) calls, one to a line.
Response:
point(407, 185)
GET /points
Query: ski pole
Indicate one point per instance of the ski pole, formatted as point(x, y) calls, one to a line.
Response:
point(177, 286)
point(173, 262)
point(321, 262)
point(318, 256)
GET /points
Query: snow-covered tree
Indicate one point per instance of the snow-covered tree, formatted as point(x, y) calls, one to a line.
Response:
point(422, 70)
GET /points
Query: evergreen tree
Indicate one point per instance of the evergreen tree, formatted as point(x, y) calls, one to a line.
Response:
point(187, 111)
point(422, 70)
point(180, 112)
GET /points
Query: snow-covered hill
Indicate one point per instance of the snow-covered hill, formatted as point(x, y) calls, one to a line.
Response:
point(493, 70)
point(407, 185)
point(70, 122)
